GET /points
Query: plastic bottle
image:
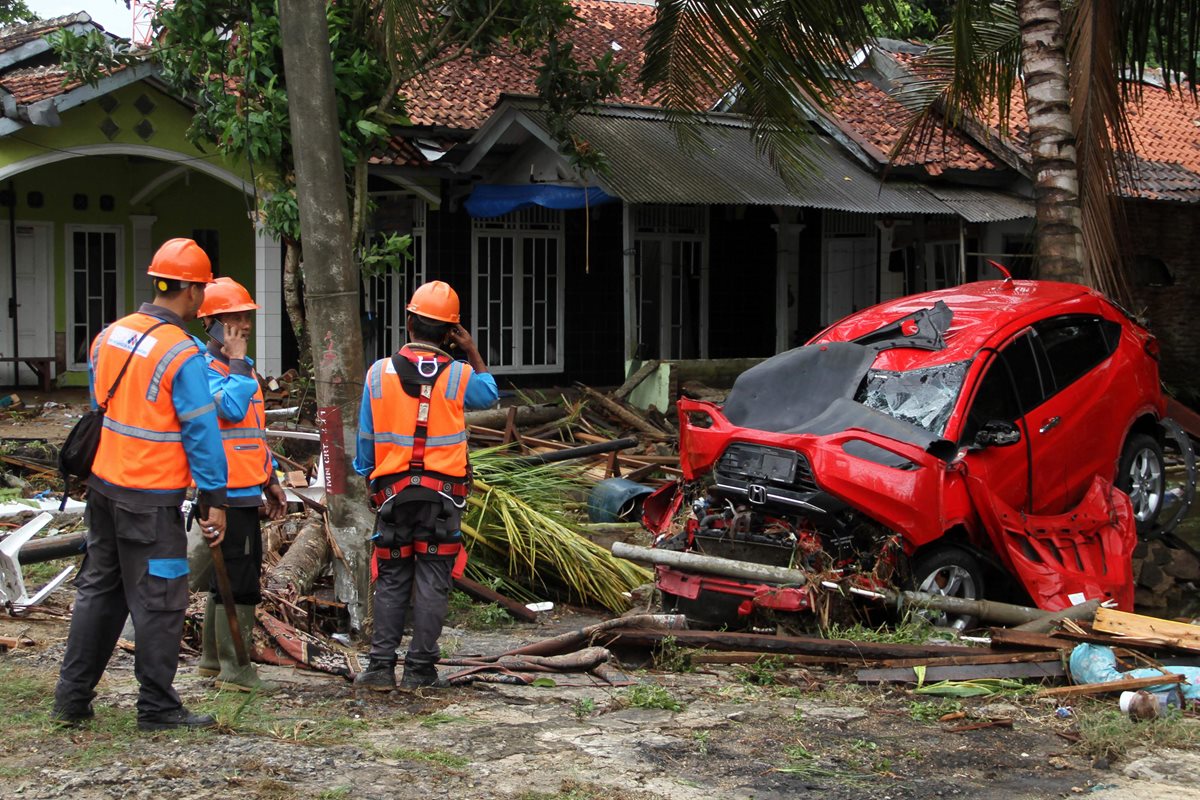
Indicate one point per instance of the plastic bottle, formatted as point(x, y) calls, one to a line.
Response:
point(1148, 705)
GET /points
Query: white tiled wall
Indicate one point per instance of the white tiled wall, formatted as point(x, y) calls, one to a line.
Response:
point(268, 291)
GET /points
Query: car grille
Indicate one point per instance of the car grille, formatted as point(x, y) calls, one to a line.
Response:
point(746, 464)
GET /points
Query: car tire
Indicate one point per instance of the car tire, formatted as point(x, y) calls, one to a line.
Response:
point(1141, 474)
point(950, 571)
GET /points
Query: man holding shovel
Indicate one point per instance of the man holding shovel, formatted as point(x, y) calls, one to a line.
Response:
point(228, 315)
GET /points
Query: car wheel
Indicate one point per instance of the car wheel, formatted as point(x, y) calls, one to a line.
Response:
point(953, 572)
point(1141, 474)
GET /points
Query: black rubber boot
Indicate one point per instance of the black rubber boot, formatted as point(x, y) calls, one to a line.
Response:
point(379, 676)
point(71, 716)
point(420, 676)
point(172, 720)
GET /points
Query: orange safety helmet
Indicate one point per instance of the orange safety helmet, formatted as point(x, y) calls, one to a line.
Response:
point(435, 300)
point(182, 260)
point(225, 296)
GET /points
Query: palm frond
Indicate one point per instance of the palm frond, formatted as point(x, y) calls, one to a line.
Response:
point(966, 79)
point(1163, 31)
point(777, 55)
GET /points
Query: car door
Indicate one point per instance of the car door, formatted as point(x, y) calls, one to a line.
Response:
point(1011, 389)
point(1071, 426)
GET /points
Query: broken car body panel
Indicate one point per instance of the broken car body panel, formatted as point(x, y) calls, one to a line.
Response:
point(868, 438)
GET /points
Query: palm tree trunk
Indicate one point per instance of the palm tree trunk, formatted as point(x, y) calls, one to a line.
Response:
point(1052, 142)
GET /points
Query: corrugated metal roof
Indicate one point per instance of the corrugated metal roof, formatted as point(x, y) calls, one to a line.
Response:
point(647, 165)
point(983, 205)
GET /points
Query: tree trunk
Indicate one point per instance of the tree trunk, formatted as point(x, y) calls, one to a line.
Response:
point(294, 302)
point(1052, 142)
point(331, 282)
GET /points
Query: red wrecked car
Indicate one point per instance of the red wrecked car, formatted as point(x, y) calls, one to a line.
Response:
point(963, 442)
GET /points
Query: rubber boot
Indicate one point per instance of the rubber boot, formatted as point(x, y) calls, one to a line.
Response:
point(234, 676)
point(379, 676)
point(210, 662)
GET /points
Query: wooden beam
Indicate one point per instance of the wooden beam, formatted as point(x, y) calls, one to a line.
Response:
point(985, 657)
point(1007, 637)
point(845, 649)
point(1178, 635)
point(1124, 685)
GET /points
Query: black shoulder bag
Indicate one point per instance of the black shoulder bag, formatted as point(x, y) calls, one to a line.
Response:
point(78, 452)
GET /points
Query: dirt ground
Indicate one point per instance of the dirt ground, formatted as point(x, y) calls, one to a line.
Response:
point(735, 733)
point(709, 732)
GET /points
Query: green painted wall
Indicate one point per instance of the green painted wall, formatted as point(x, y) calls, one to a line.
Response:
point(189, 201)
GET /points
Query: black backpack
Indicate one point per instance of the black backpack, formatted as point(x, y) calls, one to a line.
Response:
point(78, 452)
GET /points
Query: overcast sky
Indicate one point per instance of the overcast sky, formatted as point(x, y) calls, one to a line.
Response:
point(112, 14)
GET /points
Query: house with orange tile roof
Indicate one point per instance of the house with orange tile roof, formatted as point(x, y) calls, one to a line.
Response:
point(668, 253)
point(92, 180)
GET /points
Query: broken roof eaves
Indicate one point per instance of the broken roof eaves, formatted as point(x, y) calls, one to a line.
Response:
point(76, 23)
point(45, 113)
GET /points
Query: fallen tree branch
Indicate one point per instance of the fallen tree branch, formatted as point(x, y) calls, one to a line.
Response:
point(304, 561)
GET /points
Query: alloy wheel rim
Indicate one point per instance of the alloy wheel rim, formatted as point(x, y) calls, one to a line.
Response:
point(1145, 484)
point(949, 581)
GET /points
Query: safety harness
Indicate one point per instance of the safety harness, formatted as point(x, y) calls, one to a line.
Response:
point(417, 377)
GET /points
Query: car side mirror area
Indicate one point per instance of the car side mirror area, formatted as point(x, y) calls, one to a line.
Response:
point(997, 433)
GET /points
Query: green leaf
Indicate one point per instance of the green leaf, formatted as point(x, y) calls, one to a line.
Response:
point(920, 672)
point(369, 128)
point(543, 683)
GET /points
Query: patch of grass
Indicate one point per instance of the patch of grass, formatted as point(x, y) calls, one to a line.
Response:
point(912, 629)
point(339, 793)
point(929, 711)
point(650, 696)
point(701, 739)
point(253, 714)
point(14, 773)
point(762, 672)
point(466, 613)
point(38, 575)
point(571, 790)
point(805, 763)
point(670, 657)
point(583, 708)
point(1108, 733)
point(431, 756)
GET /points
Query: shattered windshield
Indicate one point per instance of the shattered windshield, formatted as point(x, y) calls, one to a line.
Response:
point(921, 397)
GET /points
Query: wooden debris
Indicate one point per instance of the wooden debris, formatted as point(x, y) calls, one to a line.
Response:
point(1126, 684)
point(1048, 622)
point(1007, 637)
point(1002, 722)
point(1176, 635)
point(984, 657)
point(13, 642)
point(964, 672)
point(484, 594)
point(525, 415)
point(635, 380)
point(624, 413)
point(305, 559)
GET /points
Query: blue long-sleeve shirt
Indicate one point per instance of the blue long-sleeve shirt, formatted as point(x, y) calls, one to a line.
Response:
point(481, 393)
point(197, 415)
point(232, 394)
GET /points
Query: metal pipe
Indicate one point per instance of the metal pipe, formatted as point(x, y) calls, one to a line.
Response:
point(583, 451)
point(12, 301)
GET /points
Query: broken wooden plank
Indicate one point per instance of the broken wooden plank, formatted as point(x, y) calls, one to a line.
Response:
point(485, 594)
point(1036, 670)
point(1002, 722)
point(983, 658)
point(1024, 640)
point(856, 652)
point(1123, 685)
point(753, 658)
point(1050, 622)
point(623, 413)
point(1178, 635)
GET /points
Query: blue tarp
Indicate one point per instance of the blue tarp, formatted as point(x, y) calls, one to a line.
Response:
point(496, 200)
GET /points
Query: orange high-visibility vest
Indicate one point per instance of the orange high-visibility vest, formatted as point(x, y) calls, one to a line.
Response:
point(245, 441)
point(141, 445)
point(394, 414)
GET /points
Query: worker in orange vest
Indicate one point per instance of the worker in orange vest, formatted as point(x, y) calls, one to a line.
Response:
point(412, 447)
point(159, 435)
point(228, 316)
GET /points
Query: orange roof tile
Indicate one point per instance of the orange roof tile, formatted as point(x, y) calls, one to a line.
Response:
point(460, 94)
point(875, 120)
point(36, 83)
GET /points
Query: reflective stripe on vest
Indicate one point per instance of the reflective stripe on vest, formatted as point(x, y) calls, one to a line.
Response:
point(245, 441)
point(141, 443)
point(394, 414)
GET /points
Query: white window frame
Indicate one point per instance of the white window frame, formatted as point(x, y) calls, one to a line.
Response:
point(395, 282)
point(69, 253)
point(530, 223)
point(669, 225)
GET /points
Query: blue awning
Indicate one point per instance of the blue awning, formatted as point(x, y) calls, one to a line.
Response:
point(496, 200)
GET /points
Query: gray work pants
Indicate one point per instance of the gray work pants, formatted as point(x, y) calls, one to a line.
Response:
point(136, 564)
point(422, 582)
